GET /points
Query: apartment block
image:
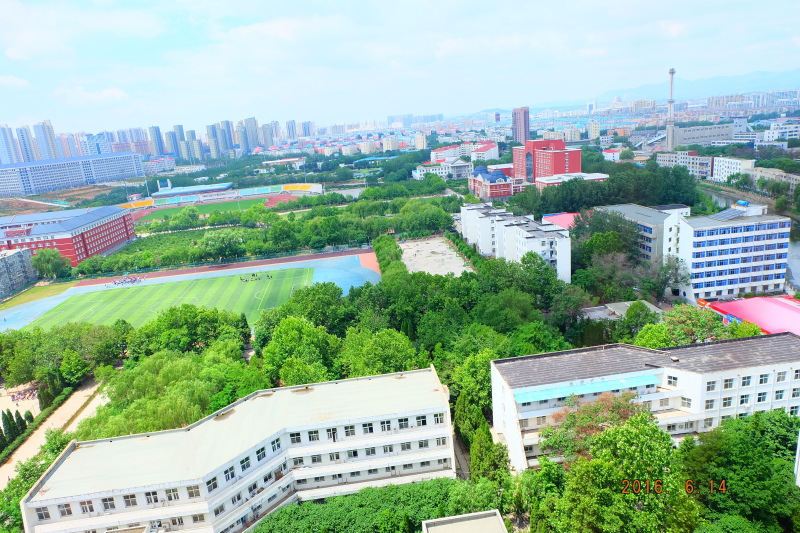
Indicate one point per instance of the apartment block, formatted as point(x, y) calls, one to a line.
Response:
point(727, 166)
point(658, 227)
point(498, 233)
point(15, 270)
point(454, 167)
point(736, 251)
point(273, 447)
point(544, 158)
point(690, 389)
point(698, 166)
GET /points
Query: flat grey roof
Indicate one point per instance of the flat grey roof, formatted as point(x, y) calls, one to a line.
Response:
point(635, 212)
point(483, 522)
point(586, 363)
point(707, 222)
point(190, 453)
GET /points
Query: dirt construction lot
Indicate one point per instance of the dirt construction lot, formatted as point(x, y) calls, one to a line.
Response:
point(434, 255)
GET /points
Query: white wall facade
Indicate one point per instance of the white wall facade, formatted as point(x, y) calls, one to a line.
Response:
point(727, 166)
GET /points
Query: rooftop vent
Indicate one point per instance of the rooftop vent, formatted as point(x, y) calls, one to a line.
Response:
point(674, 358)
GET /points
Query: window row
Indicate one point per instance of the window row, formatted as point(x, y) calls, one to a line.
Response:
point(746, 381)
point(129, 500)
point(370, 472)
point(367, 452)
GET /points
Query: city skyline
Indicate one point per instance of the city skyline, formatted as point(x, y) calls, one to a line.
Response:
point(158, 65)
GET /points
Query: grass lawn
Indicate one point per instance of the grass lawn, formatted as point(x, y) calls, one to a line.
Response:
point(137, 304)
point(37, 293)
point(205, 209)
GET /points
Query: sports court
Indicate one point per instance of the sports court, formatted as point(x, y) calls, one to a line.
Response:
point(220, 287)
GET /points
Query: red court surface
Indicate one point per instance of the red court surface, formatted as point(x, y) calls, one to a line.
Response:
point(772, 315)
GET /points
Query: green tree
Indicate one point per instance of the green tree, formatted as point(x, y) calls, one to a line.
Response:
point(49, 263)
point(473, 379)
point(467, 419)
point(636, 317)
point(487, 459)
point(365, 353)
point(20, 422)
point(626, 155)
point(9, 426)
point(222, 244)
point(74, 367)
point(295, 371)
point(536, 337)
point(297, 338)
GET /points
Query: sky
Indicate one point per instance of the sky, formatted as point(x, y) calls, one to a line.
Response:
point(91, 65)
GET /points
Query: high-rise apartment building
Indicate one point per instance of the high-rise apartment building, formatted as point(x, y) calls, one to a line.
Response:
point(183, 150)
point(244, 141)
point(190, 135)
point(420, 141)
point(213, 148)
point(68, 146)
point(8, 146)
point(308, 129)
point(291, 130)
point(156, 141)
point(593, 129)
point(171, 142)
point(265, 136)
point(276, 130)
point(45, 140)
point(544, 158)
point(178, 129)
point(27, 145)
point(521, 124)
point(251, 129)
point(94, 144)
point(196, 149)
point(225, 134)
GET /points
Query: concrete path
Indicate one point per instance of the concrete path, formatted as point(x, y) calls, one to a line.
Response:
point(88, 411)
point(55, 421)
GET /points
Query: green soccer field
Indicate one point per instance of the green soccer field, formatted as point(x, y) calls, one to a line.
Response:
point(205, 209)
point(137, 304)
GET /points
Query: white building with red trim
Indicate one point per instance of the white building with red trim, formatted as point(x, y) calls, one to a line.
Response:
point(76, 233)
point(476, 151)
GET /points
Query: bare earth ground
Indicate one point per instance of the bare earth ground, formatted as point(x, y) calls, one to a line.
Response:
point(434, 255)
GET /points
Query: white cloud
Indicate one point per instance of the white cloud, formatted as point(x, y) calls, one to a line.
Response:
point(77, 95)
point(13, 82)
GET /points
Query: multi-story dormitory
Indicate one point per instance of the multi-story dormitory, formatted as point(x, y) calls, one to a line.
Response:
point(273, 447)
point(690, 389)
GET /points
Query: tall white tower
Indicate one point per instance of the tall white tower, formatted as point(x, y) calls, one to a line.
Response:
point(671, 112)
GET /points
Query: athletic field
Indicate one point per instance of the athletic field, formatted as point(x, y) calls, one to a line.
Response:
point(137, 304)
point(205, 209)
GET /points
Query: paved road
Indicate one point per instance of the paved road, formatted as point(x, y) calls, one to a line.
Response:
point(56, 420)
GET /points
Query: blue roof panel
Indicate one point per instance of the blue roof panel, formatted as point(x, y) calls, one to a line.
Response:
point(586, 388)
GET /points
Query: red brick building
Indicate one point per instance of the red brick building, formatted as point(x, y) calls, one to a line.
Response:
point(544, 158)
point(76, 233)
point(491, 185)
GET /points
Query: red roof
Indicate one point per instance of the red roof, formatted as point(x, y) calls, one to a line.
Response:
point(485, 148)
point(772, 315)
point(565, 220)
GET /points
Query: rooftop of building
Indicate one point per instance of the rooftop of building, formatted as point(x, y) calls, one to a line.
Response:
point(700, 222)
point(597, 361)
point(669, 207)
point(636, 212)
point(193, 189)
point(772, 315)
point(67, 160)
point(482, 522)
point(558, 178)
point(54, 221)
point(187, 454)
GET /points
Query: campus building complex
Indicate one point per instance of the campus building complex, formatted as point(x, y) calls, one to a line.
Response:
point(270, 448)
point(658, 227)
point(537, 159)
point(36, 177)
point(690, 389)
point(76, 233)
point(15, 270)
point(739, 250)
point(498, 233)
point(452, 167)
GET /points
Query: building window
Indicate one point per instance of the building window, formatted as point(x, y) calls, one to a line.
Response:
point(386, 425)
point(65, 510)
point(405, 446)
point(793, 410)
point(130, 500)
point(261, 453)
point(663, 402)
point(441, 441)
point(219, 510)
point(172, 494)
point(727, 384)
point(297, 461)
point(762, 397)
point(444, 461)
point(244, 464)
point(176, 521)
point(352, 454)
point(423, 444)
point(194, 491)
point(211, 484)
point(236, 499)
point(727, 402)
point(370, 451)
point(781, 377)
point(230, 473)
point(438, 418)
point(711, 385)
point(42, 513)
point(87, 506)
point(763, 379)
point(541, 420)
point(294, 438)
point(708, 422)
point(670, 427)
point(709, 404)
point(389, 469)
point(302, 481)
point(367, 428)
point(672, 381)
point(779, 394)
point(349, 431)
point(276, 445)
point(319, 479)
point(408, 466)
point(151, 497)
point(355, 474)
point(797, 374)
point(333, 456)
point(746, 381)
point(744, 399)
point(686, 402)
point(422, 420)
point(252, 488)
